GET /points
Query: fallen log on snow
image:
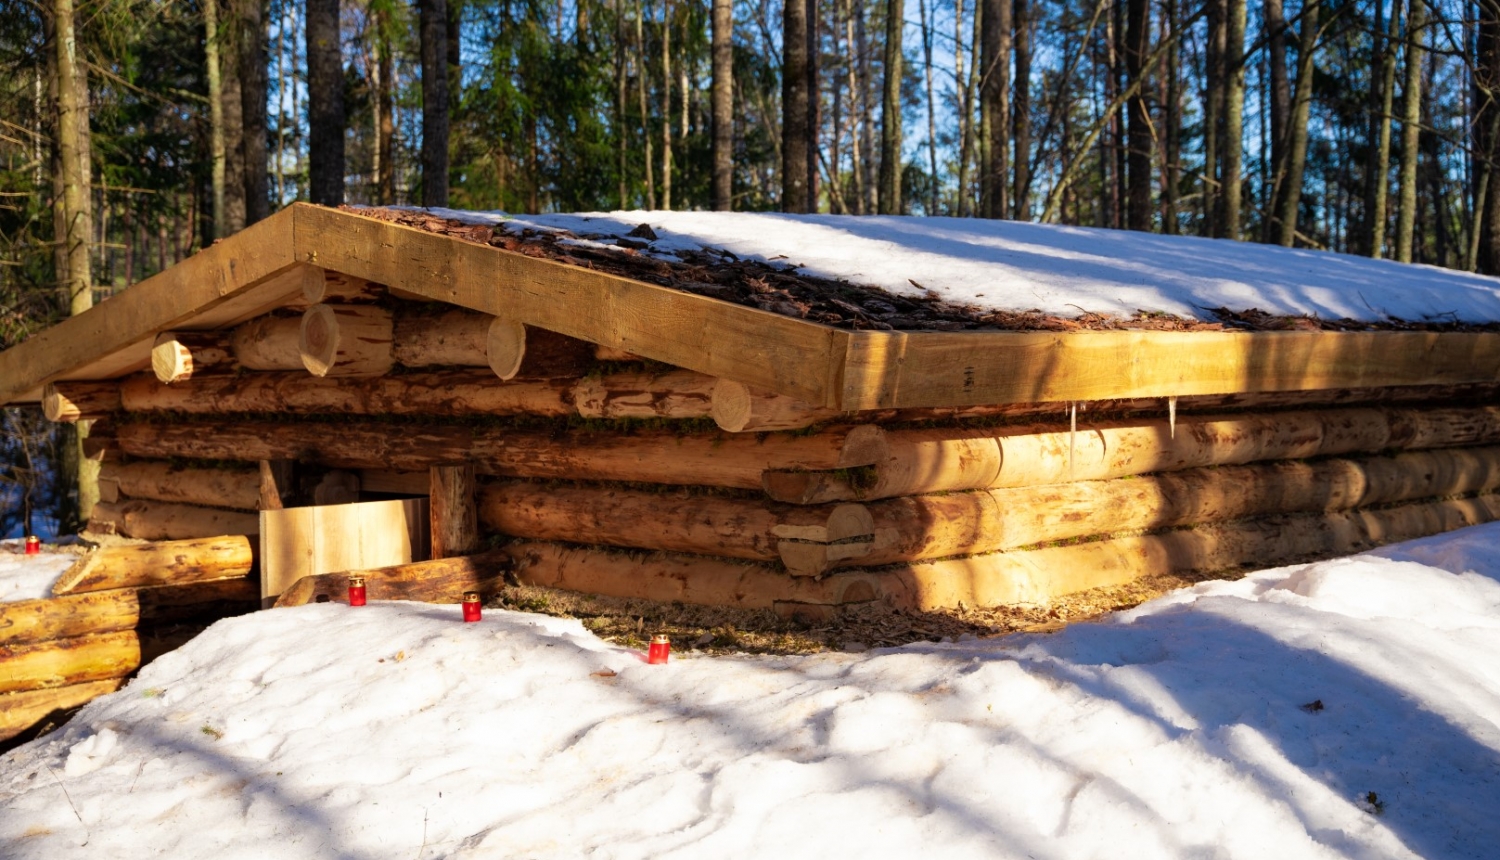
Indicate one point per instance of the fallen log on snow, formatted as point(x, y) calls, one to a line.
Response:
point(62, 662)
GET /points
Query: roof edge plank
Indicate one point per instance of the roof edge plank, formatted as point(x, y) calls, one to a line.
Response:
point(115, 336)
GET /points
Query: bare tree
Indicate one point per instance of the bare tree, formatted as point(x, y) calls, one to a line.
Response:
point(1295, 148)
point(994, 106)
point(1141, 136)
point(890, 201)
point(723, 105)
point(794, 99)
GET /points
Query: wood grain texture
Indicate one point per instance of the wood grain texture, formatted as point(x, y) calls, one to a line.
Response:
point(346, 340)
point(69, 402)
point(61, 662)
point(161, 563)
point(28, 621)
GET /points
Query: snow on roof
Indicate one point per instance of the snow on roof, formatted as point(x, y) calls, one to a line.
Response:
point(1064, 271)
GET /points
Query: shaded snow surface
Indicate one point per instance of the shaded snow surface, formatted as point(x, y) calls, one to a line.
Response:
point(29, 577)
point(1065, 271)
point(1184, 728)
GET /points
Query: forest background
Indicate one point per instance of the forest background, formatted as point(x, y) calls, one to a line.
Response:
point(133, 132)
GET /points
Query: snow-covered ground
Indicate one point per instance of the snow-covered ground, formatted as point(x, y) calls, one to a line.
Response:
point(1015, 265)
point(28, 577)
point(1349, 708)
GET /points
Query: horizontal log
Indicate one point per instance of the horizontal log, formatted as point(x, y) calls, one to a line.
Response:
point(168, 521)
point(68, 402)
point(173, 562)
point(941, 460)
point(441, 580)
point(24, 622)
point(739, 408)
point(24, 710)
point(178, 355)
point(455, 338)
point(268, 343)
point(516, 351)
point(644, 394)
point(648, 456)
point(62, 662)
point(346, 340)
point(236, 487)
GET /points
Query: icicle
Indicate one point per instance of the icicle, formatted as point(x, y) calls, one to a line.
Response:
point(1172, 415)
point(1072, 433)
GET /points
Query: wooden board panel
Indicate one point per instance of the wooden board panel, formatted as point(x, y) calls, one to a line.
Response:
point(117, 334)
point(298, 542)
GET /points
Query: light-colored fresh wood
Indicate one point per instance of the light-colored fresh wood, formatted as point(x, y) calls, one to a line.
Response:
point(738, 408)
point(162, 563)
point(236, 487)
point(516, 351)
point(338, 287)
point(69, 402)
point(441, 580)
point(63, 662)
point(649, 456)
point(298, 542)
point(177, 355)
point(346, 340)
point(454, 511)
point(22, 710)
point(455, 338)
point(24, 622)
point(269, 342)
point(644, 394)
point(149, 520)
point(940, 460)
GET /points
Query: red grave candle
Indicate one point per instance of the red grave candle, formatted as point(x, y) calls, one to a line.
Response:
point(471, 606)
point(661, 649)
point(33, 545)
point(356, 591)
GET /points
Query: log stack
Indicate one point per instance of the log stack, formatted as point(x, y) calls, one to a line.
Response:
point(601, 472)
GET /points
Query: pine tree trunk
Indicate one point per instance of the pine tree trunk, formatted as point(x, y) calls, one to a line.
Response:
point(385, 114)
point(1021, 112)
point(1296, 131)
point(723, 105)
point(433, 30)
point(1281, 106)
point(325, 104)
point(1213, 118)
point(232, 111)
point(1172, 136)
point(814, 104)
point(995, 107)
point(666, 105)
point(1138, 209)
point(794, 106)
point(890, 199)
point(866, 113)
point(1234, 116)
point(1377, 183)
point(642, 71)
point(1411, 125)
point(931, 204)
point(212, 63)
point(253, 89)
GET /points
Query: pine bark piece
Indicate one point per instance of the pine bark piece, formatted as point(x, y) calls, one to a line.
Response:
point(451, 392)
point(454, 512)
point(456, 338)
point(70, 402)
point(346, 340)
point(268, 343)
point(164, 563)
point(24, 622)
point(441, 580)
point(63, 662)
point(738, 408)
point(643, 394)
point(168, 521)
point(659, 457)
point(236, 487)
point(177, 355)
point(517, 351)
point(22, 710)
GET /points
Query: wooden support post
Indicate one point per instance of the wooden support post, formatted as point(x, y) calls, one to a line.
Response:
point(441, 580)
point(69, 402)
point(346, 340)
point(455, 515)
point(177, 355)
point(163, 563)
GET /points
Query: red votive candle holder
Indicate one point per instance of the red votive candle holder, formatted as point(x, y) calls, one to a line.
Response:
point(33, 545)
point(661, 649)
point(471, 606)
point(356, 591)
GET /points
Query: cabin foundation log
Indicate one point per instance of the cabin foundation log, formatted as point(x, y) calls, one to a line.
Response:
point(63, 662)
point(346, 340)
point(220, 487)
point(454, 514)
point(70, 402)
point(26, 622)
point(148, 520)
point(173, 562)
point(436, 581)
point(23, 710)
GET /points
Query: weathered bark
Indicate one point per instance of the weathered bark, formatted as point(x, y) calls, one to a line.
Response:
point(994, 106)
point(723, 105)
point(177, 355)
point(270, 342)
point(236, 487)
point(1411, 127)
point(433, 30)
point(254, 81)
point(1140, 135)
point(325, 104)
point(441, 580)
point(660, 457)
point(794, 100)
point(890, 201)
point(346, 340)
point(62, 662)
point(168, 521)
point(1296, 141)
point(454, 513)
point(176, 562)
point(23, 622)
point(80, 401)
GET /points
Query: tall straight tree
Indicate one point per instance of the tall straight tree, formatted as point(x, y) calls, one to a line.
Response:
point(384, 104)
point(212, 66)
point(432, 25)
point(1021, 112)
point(814, 102)
point(1140, 136)
point(1377, 189)
point(254, 81)
point(1214, 74)
point(1295, 149)
point(794, 97)
point(1411, 126)
point(889, 201)
point(723, 105)
point(994, 106)
point(325, 104)
point(1281, 105)
point(1234, 115)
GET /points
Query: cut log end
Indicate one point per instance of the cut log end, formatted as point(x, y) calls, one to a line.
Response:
point(505, 347)
point(171, 359)
point(738, 408)
point(319, 343)
point(70, 402)
point(346, 340)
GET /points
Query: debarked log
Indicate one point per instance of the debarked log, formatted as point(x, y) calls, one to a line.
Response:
point(268, 343)
point(149, 520)
point(647, 456)
point(441, 580)
point(234, 487)
point(61, 662)
point(21, 710)
point(24, 622)
point(179, 355)
point(67, 402)
point(941, 460)
point(173, 562)
point(346, 340)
